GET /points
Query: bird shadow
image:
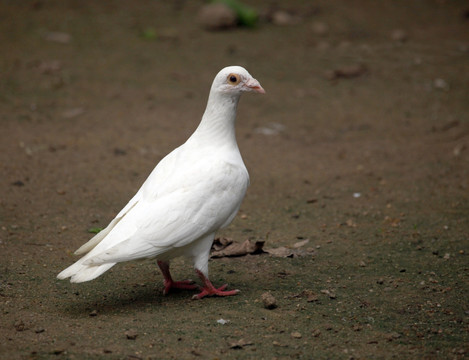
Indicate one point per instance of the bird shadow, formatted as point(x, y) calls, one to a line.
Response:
point(128, 298)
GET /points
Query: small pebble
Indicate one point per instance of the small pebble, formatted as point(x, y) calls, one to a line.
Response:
point(269, 301)
point(320, 28)
point(316, 333)
point(283, 18)
point(296, 335)
point(217, 16)
point(399, 35)
point(131, 334)
point(440, 84)
point(19, 326)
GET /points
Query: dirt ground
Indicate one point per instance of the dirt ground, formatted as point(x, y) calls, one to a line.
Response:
point(361, 146)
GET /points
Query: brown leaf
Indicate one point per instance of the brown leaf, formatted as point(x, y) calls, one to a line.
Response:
point(308, 294)
point(240, 344)
point(236, 249)
point(300, 243)
point(221, 243)
point(287, 252)
point(329, 293)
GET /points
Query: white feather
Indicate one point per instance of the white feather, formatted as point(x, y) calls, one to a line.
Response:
point(194, 191)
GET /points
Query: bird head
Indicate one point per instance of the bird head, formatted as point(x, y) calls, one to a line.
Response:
point(235, 80)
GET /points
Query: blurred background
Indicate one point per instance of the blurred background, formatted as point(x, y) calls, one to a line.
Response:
point(360, 146)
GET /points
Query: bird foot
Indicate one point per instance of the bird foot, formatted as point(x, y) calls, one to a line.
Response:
point(209, 290)
point(181, 285)
point(215, 292)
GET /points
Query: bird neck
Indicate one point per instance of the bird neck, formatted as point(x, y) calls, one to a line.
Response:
point(218, 122)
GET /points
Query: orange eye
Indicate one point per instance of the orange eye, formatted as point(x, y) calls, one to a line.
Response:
point(233, 79)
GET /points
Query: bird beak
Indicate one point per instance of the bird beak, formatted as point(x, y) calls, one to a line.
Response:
point(253, 85)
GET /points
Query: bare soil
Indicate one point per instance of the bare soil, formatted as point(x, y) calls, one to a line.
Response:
point(360, 145)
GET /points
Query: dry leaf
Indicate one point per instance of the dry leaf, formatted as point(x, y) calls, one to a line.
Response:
point(308, 294)
point(221, 243)
point(287, 252)
point(225, 248)
point(240, 344)
point(300, 243)
point(328, 293)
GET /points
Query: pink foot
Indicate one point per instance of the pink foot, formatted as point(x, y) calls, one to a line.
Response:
point(209, 290)
point(182, 285)
point(169, 283)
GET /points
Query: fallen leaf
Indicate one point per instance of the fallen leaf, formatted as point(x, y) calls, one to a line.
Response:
point(308, 294)
point(236, 249)
point(328, 293)
point(300, 243)
point(287, 252)
point(221, 243)
point(240, 344)
point(276, 343)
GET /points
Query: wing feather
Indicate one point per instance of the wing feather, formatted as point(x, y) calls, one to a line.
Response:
point(151, 228)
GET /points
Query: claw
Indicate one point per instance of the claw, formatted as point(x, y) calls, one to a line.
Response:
point(215, 292)
point(209, 290)
point(183, 285)
point(169, 283)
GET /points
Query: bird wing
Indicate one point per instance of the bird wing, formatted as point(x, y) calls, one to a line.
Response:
point(199, 201)
point(151, 187)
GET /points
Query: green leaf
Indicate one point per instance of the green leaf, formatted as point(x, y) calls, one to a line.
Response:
point(95, 230)
point(247, 16)
point(149, 34)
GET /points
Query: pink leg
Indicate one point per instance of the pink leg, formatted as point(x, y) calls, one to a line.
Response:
point(169, 283)
point(209, 290)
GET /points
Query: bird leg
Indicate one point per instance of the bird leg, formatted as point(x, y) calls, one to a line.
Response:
point(169, 283)
point(209, 290)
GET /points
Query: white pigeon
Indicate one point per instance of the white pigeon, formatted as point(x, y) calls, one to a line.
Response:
point(194, 191)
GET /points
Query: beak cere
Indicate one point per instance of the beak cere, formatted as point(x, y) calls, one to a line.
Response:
point(253, 85)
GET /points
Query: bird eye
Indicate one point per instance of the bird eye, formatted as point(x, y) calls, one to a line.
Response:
point(233, 79)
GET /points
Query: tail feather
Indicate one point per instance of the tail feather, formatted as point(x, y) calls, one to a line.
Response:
point(95, 240)
point(78, 272)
